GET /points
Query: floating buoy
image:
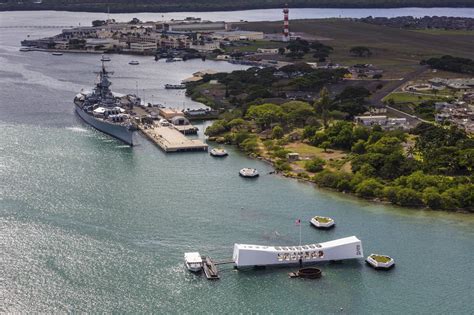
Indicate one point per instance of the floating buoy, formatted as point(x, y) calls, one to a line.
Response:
point(382, 262)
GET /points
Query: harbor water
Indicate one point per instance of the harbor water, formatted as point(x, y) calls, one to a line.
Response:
point(88, 224)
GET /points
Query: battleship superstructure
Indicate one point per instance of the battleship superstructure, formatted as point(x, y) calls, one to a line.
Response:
point(106, 111)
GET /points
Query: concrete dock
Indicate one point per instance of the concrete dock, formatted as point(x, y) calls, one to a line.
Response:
point(172, 140)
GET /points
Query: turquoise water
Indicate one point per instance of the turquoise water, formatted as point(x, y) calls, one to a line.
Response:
point(88, 224)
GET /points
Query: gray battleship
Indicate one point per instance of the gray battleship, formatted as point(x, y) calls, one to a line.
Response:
point(107, 111)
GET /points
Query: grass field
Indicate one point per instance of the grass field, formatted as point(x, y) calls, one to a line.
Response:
point(401, 97)
point(445, 32)
point(397, 51)
point(254, 45)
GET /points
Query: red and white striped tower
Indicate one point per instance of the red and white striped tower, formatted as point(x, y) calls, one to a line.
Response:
point(286, 24)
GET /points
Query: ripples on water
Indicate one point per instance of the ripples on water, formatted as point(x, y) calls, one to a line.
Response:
point(88, 224)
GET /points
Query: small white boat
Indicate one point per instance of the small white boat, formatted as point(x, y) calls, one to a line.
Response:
point(177, 59)
point(193, 261)
point(380, 261)
point(218, 152)
point(57, 54)
point(322, 222)
point(105, 58)
point(23, 49)
point(248, 172)
point(134, 63)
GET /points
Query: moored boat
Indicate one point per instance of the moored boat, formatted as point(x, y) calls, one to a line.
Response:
point(322, 222)
point(107, 112)
point(175, 86)
point(218, 152)
point(24, 49)
point(105, 58)
point(134, 63)
point(57, 54)
point(248, 172)
point(193, 261)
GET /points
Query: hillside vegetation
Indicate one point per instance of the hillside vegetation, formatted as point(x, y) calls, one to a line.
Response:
point(216, 5)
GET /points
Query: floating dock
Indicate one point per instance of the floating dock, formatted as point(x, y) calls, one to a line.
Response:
point(169, 139)
point(210, 269)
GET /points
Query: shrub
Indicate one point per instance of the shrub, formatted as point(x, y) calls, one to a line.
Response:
point(408, 197)
point(315, 165)
point(282, 166)
point(432, 198)
point(218, 127)
point(369, 188)
point(326, 178)
point(344, 185)
point(250, 145)
point(391, 193)
point(280, 153)
point(277, 132)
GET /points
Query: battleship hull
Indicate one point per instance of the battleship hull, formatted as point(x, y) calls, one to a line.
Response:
point(120, 132)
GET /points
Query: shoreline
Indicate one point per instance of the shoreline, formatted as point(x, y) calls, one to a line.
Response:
point(353, 195)
point(178, 9)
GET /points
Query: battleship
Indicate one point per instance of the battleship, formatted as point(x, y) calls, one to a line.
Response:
point(106, 111)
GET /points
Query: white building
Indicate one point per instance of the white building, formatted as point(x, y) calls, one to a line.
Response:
point(387, 123)
point(270, 51)
point(103, 43)
point(205, 47)
point(258, 255)
point(238, 35)
point(143, 46)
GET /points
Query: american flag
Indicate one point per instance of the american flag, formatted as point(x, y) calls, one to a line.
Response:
point(298, 222)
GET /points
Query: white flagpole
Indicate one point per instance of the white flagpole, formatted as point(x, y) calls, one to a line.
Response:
point(300, 233)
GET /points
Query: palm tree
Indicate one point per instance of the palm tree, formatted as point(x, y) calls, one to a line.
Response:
point(322, 105)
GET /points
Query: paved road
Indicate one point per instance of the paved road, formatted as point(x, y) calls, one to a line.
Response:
point(377, 97)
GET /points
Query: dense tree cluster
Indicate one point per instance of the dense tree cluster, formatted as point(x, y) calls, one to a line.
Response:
point(244, 87)
point(299, 47)
point(450, 63)
point(381, 168)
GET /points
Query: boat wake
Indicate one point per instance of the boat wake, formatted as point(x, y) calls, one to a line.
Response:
point(77, 129)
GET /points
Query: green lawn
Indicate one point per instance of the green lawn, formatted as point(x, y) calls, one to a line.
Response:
point(254, 45)
point(445, 32)
point(401, 97)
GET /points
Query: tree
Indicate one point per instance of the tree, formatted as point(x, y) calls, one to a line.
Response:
point(408, 197)
point(432, 198)
point(218, 127)
point(97, 23)
point(277, 132)
point(322, 105)
point(266, 114)
point(369, 188)
point(314, 165)
point(298, 112)
point(359, 147)
point(325, 145)
point(360, 51)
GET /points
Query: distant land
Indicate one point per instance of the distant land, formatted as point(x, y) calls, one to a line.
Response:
point(123, 6)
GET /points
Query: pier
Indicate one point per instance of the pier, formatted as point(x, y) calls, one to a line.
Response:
point(169, 139)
